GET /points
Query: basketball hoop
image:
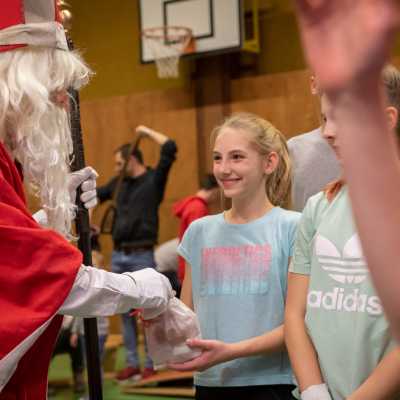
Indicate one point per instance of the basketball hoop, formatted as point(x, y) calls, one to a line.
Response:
point(167, 44)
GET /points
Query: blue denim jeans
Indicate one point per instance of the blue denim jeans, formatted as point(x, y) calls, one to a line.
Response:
point(132, 262)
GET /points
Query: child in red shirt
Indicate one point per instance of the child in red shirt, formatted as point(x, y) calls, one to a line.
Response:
point(194, 207)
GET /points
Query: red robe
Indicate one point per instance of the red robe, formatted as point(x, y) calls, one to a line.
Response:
point(37, 270)
point(187, 210)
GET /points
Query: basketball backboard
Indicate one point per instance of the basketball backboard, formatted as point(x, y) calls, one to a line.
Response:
point(217, 25)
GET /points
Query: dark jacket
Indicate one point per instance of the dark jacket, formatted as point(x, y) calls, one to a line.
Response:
point(138, 202)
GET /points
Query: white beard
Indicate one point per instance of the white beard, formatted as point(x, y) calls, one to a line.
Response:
point(35, 128)
point(43, 147)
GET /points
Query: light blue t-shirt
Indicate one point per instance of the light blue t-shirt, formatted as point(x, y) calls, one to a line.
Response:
point(239, 279)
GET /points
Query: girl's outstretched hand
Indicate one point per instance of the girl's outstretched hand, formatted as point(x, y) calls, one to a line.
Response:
point(345, 40)
point(213, 352)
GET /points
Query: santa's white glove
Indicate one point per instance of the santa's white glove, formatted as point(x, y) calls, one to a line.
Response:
point(86, 177)
point(316, 392)
point(154, 291)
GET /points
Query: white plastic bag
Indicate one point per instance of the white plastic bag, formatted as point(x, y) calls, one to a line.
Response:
point(166, 335)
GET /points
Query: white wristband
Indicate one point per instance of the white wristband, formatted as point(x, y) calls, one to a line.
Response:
point(316, 392)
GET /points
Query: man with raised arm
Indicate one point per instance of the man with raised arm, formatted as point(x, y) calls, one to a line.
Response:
point(41, 274)
point(135, 230)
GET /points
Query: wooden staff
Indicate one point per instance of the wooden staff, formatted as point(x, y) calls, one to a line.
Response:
point(83, 231)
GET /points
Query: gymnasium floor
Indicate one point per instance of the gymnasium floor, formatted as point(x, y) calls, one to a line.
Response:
point(60, 369)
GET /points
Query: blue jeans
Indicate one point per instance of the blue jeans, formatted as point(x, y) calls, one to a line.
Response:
point(132, 262)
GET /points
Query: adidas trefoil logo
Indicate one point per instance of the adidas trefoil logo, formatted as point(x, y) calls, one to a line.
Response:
point(349, 267)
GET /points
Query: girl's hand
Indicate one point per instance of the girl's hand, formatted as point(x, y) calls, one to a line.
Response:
point(345, 40)
point(214, 352)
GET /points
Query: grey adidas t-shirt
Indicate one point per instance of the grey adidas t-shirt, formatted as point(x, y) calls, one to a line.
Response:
point(314, 166)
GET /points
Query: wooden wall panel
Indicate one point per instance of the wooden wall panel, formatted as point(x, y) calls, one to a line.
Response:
point(283, 99)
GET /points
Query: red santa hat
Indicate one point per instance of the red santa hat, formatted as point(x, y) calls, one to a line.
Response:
point(31, 23)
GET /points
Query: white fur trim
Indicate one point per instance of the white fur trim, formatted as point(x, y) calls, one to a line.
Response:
point(44, 34)
point(9, 363)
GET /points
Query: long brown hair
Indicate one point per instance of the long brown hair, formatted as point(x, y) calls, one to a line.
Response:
point(267, 139)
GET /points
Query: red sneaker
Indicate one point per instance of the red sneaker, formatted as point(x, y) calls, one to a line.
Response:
point(148, 372)
point(128, 373)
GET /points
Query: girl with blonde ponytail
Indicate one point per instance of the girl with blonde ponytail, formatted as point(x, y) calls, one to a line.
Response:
point(236, 267)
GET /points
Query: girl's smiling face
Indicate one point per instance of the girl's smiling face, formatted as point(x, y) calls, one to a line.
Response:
point(237, 165)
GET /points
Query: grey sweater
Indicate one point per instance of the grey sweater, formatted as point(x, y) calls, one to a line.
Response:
point(314, 166)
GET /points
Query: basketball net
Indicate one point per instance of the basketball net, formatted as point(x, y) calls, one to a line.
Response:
point(167, 44)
